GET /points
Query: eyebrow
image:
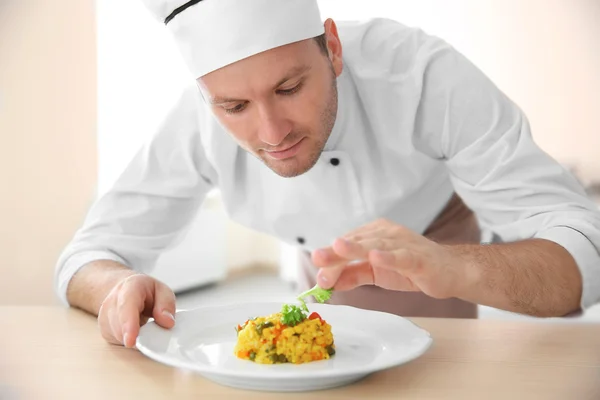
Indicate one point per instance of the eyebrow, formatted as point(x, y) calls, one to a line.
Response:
point(294, 72)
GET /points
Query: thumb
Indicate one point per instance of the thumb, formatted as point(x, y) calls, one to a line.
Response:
point(164, 305)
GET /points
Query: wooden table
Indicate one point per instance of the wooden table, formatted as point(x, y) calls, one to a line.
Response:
point(55, 353)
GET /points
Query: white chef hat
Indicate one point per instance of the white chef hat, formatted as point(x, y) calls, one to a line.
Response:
point(211, 34)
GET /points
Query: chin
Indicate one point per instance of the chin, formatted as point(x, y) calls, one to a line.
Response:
point(292, 167)
point(299, 164)
point(288, 168)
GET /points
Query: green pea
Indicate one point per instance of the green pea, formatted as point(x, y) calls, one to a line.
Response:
point(263, 325)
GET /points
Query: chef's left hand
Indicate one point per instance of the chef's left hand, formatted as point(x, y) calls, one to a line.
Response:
point(390, 256)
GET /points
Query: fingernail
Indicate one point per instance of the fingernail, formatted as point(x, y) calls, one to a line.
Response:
point(125, 337)
point(168, 314)
point(323, 281)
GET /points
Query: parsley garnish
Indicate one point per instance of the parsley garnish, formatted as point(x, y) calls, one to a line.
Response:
point(292, 315)
point(321, 295)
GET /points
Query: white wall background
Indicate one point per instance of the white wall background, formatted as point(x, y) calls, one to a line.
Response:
point(140, 76)
point(545, 54)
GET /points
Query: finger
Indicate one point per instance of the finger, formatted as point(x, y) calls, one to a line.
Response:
point(366, 274)
point(131, 302)
point(104, 320)
point(164, 305)
point(328, 257)
point(341, 251)
point(346, 253)
point(365, 230)
point(427, 277)
point(405, 262)
point(374, 229)
point(352, 276)
point(328, 277)
point(332, 266)
point(402, 261)
point(360, 249)
point(116, 328)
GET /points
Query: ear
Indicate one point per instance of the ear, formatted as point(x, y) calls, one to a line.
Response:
point(335, 46)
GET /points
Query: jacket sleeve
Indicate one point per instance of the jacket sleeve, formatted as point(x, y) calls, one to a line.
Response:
point(516, 189)
point(150, 205)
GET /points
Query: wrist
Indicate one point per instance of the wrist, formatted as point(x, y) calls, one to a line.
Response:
point(467, 269)
point(93, 282)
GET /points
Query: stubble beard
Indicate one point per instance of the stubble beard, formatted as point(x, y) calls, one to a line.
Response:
point(301, 163)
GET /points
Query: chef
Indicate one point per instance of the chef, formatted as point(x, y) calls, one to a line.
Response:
point(378, 150)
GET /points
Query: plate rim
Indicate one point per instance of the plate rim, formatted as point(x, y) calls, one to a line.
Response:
point(260, 374)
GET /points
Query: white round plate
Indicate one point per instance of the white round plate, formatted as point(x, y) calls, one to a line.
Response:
point(203, 340)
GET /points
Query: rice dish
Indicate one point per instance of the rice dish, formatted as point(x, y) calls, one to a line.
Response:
point(267, 340)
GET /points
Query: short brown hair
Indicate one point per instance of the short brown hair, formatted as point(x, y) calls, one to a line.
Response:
point(322, 42)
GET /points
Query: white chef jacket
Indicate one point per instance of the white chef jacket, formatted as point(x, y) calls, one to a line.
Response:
point(416, 122)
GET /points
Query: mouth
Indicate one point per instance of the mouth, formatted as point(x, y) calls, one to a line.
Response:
point(286, 153)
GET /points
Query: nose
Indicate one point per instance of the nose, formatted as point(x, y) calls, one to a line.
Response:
point(274, 127)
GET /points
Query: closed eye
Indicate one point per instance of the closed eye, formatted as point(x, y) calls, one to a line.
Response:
point(238, 108)
point(287, 92)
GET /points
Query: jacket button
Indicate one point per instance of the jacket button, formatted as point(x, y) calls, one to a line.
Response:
point(335, 161)
point(300, 240)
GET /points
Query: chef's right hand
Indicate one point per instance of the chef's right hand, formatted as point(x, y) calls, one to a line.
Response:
point(129, 305)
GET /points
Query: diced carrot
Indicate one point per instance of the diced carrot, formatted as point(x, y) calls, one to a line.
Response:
point(277, 333)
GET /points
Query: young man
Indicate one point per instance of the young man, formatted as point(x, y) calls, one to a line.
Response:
point(377, 149)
